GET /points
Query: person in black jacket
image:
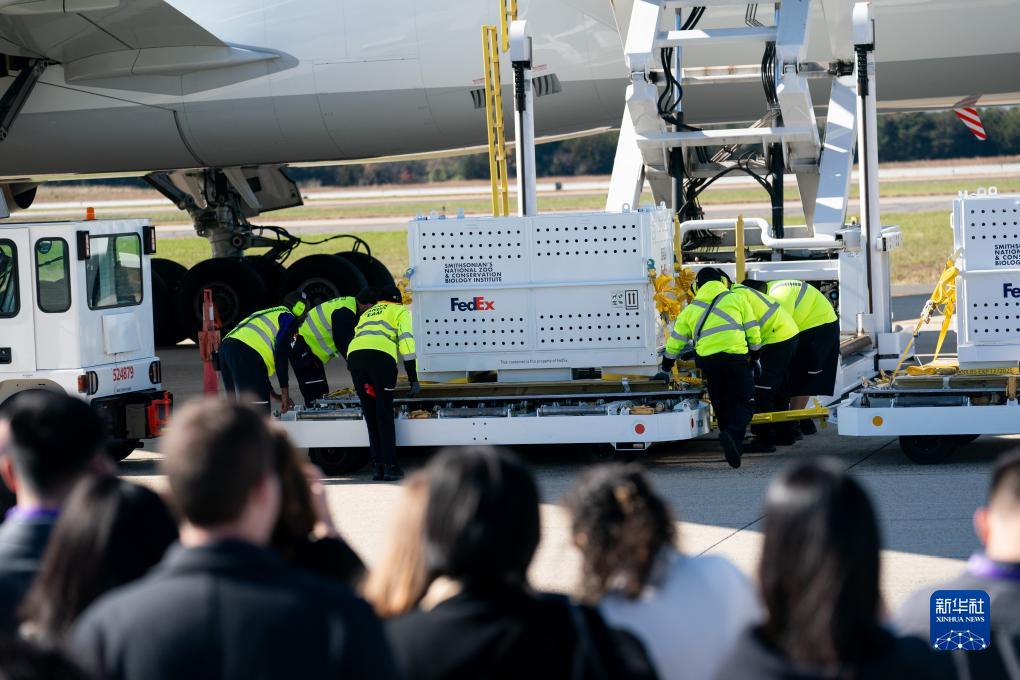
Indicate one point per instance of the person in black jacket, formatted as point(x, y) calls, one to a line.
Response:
point(481, 532)
point(48, 441)
point(819, 577)
point(222, 605)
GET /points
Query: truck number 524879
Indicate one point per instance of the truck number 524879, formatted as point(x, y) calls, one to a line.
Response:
point(125, 373)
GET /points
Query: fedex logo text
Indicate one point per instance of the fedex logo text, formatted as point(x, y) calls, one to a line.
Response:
point(478, 304)
point(1009, 291)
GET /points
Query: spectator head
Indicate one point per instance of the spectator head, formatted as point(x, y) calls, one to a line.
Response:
point(481, 524)
point(110, 533)
point(998, 523)
point(368, 297)
point(219, 459)
point(760, 286)
point(297, 516)
point(391, 294)
point(620, 526)
point(707, 275)
point(819, 570)
point(21, 660)
point(398, 583)
point(297, 303)
point(48, 440)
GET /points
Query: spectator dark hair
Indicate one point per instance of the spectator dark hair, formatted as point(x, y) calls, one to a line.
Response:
point(53, 439)
point(481, 521)
point(709, 274)
point(620, 526)
point(111, 532)
point(368, 295)
point(297, 516)
point(760, 286)
point(819, 570)
point(390, 294)
point(1004, 489)
point(216, 454)
point(21, 660)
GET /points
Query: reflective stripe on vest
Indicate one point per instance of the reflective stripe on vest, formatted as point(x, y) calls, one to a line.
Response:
point(317, 329)
point(730, 325)
point(378, 330)
point(265, 327)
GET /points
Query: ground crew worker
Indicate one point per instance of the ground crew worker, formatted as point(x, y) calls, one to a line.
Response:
point(778, 346)
point(324, 335)
point(722, 330)
point(382, 335)
point(817, 358)
point(258, 347)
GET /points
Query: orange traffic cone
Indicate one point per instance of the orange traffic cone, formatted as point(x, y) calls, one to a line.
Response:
point(209, 343)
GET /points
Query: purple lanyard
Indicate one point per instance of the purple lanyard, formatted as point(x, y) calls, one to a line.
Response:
point(27, 513)
point(979, 565)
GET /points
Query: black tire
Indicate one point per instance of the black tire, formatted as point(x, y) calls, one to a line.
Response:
point(238, 290)
point(167, 276)
point(324, 277)
point(374, 271)
point(927, 449)
point(119, 449)
point(273, 275)
point(339, 460)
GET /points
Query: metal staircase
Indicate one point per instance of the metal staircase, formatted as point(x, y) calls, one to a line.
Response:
point(656, 144)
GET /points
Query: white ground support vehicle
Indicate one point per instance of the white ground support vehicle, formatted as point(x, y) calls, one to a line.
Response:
point(76, 315)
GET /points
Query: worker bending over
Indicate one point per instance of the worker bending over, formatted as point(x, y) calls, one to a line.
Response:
point(722, 329)
point(771, 382)
point(324, 335)
point(260, 346)
point(382, 335)
point(817, 358)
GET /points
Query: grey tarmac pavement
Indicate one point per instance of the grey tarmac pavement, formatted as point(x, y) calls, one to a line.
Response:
point(925, 512)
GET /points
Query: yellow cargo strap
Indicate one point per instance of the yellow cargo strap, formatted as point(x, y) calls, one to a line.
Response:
point(816, 411)
point(943, 299)
point(404, 286)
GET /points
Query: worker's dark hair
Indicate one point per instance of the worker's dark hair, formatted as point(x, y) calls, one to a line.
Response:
point(819, 570)
point(297, 302)
point(216, 453)
point(709, 274)
point(1004, 489)
point(110, 533)
point(481, 522)
point(760, 286)
point(620, 526)
point(390, 294)
point(53, 439)
point(369, 295)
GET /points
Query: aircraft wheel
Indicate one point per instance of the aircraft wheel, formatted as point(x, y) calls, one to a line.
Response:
point(273, 275)
point(166, 281)
point(927, 449)
point(324, 277)
point(374, 271)
point(339, 460)
point(238, 290)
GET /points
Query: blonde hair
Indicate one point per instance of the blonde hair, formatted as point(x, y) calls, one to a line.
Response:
point(398, 583)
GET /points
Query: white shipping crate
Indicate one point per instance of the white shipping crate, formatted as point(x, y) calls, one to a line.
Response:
point(986, 233)
point(535, 297)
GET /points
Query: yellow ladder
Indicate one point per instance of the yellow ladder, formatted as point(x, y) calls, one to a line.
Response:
point(494, 123)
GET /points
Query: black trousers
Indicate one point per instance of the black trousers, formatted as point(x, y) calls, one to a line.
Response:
point(375, 378)
point(245, 377)
point(309, 372)
point(771, 385)
point(731, 389)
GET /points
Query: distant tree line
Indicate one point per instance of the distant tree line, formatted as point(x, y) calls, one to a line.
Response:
point(902, 137)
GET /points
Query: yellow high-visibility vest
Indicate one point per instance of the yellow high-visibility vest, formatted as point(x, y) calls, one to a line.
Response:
point(805, 303)
point(776, 323)
point(259, 332)
point(727, 326)
point(387, 328)
point(317, 328)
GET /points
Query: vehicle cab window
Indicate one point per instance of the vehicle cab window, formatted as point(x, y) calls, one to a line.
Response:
point(10, 301)
point(53, 275)
point(113, 272)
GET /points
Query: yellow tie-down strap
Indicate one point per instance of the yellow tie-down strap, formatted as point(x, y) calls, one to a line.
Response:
point(816, 411)
point(943, 299)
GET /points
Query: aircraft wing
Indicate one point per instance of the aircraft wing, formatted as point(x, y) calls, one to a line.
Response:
point(96, 39)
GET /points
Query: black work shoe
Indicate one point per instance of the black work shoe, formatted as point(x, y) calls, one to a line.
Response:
point(759, 445)
point(393, 473)
point(731, 447)
point(379, 475)
point(808, 427)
